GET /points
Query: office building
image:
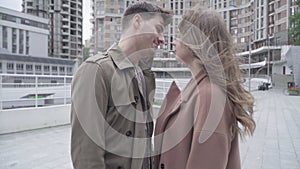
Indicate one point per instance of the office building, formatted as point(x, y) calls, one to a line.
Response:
point(23, 34)
point(65, 25)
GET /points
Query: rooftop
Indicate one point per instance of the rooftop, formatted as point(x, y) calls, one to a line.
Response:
point(275, 144)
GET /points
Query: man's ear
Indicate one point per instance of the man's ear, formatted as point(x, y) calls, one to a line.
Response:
point(137, 19)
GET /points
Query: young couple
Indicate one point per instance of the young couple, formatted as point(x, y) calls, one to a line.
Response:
point(112, 95)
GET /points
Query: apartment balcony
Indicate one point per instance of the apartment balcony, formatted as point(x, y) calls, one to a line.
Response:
point(233, 17)
point(30, 7)
point(271, 2)
point(65, 26)
point(233, 25)
point(79, 15)
point(79, 8)
point(66, 12)
point(65, 5)
point(64, 32)
point(66, 47)
point(65, 39)
point(65, 19)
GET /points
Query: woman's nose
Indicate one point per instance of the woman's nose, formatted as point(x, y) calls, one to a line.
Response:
point(173, 43)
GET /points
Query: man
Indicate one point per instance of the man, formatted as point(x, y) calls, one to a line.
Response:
point(112, 95)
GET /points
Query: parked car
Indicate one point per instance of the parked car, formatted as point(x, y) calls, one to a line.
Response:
point(264, 86)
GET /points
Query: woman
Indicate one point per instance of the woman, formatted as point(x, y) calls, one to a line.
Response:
point(198, 127)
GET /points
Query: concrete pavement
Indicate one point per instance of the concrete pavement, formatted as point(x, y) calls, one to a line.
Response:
point(275, 144)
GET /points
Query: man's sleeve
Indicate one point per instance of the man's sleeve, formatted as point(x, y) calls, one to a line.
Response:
point(89, 106)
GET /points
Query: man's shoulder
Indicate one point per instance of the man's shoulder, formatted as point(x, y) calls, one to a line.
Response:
point(99, 58)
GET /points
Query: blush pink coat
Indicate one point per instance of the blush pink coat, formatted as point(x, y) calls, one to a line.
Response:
point(194, 129)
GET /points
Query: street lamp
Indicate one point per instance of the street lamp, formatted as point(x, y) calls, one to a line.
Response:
point(268, 71)
point(249, 62)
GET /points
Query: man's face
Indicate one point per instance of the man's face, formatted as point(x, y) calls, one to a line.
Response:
point(150, 33)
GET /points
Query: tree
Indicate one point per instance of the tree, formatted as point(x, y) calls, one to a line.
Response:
point(294, 30)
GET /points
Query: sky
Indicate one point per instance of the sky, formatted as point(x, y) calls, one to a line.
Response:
point(87, 32)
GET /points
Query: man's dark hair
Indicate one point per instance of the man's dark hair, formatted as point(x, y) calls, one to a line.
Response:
point(146, 10)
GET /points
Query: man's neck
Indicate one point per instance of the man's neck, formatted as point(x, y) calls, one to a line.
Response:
point(128, 47)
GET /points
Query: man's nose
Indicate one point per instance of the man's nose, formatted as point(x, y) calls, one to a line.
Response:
point(161, 38)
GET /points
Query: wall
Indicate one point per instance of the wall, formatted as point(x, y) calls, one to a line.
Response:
point(38, 44)
point(280, 81)
point(16, 120)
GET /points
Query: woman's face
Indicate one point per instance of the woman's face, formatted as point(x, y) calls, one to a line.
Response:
point(182, 53)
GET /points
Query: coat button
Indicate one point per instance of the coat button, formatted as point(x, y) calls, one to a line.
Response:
point(128, 133)
point(120, 167)
point(136, 98)
point(162, 166)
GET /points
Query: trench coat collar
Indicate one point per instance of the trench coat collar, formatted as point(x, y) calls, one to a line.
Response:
point(174, 100)
point(119, 57)
point(177, 97)
point(192, 85)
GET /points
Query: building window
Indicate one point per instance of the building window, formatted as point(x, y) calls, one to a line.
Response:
point(279, 28)
point(121, 2)
point(10, 66)
point(20, 66)
point(62, 69)
point(187, 4)
point(112, 10)
point(21, 41)
point(29, 68)
point(235, 40)
point(279, 15)
point(121, 10)
point(38, 68)
point(29, 3)
point(242, 30)
point(112, 2)
point(100, 4)
point(14, 40)
point(243, 11)
point(54, 68)
point(69, 70)
point(4, 35)
point(243, 40)
point(14, 49)
point(46, 68)
point(243, 21)
point(234, 31)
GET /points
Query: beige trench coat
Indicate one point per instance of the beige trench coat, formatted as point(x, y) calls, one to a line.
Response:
point(106, 113)
point(193, 130)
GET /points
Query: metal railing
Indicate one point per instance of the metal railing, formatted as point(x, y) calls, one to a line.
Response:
point(19, 91)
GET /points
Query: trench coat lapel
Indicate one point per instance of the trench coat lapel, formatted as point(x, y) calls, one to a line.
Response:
point(169, 102)
point(174, 100)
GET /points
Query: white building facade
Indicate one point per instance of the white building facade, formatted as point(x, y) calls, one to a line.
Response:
point(23, 34)
point(65, 25)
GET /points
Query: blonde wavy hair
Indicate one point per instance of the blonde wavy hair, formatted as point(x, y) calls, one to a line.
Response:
point(204, 32)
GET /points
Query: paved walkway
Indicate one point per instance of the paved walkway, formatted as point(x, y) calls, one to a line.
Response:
point(275, 145)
